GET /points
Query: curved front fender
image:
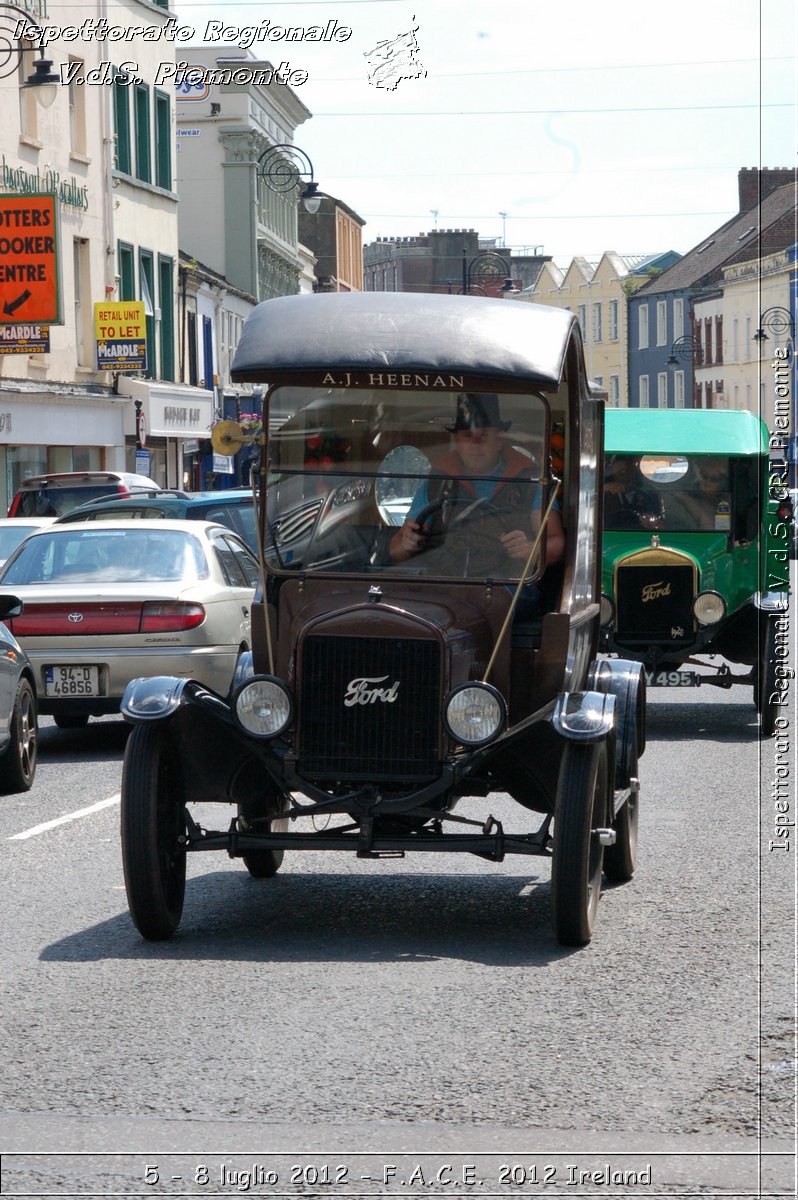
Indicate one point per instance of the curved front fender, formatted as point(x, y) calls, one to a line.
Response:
point(584, 716)
point(152, 699)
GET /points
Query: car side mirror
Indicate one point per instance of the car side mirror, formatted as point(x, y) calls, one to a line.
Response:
point(10, 606)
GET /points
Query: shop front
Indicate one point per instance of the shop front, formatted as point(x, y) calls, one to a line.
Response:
point(56, 429)
point(164, 424)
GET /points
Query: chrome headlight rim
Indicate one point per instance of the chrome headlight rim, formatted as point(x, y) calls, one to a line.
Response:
point(501, 714)
point(238, 702)
point(606, 611)
point(703, 597)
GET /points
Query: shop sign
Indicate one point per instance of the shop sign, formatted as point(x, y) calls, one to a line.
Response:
point(29, 260)
point(24, 339)
point(120, 327)
point(223, 464)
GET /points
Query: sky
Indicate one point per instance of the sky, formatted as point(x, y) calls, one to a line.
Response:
point(573, 127)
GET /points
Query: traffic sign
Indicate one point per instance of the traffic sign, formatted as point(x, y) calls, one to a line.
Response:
point(29, 288)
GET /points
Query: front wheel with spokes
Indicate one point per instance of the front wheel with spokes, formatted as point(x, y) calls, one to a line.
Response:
point(578, 853)
point(152, 825)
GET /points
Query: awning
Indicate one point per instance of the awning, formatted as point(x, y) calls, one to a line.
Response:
point(171, 410)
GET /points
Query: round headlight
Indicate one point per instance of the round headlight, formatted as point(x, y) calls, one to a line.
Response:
point(606, 610)
point(263, 706)
point(474, 714)
point(709, 608)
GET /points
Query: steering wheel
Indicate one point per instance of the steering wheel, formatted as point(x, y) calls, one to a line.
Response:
point(466, 542)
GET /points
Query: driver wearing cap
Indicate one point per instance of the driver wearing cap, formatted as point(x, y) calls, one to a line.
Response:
point(486, 468)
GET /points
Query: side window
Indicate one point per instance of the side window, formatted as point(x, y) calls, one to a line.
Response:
point(240, 568)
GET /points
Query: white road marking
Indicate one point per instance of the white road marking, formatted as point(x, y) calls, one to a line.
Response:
point(74, 816)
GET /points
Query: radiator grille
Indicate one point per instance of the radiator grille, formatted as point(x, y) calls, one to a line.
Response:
point(371, 739)
point(655, 604)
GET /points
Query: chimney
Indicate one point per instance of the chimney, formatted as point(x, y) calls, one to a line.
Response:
point(753, 185)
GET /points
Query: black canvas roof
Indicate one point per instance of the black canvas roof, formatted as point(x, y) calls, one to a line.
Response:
point(401, 331)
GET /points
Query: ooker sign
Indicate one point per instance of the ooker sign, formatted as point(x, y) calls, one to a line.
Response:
point(29, 259)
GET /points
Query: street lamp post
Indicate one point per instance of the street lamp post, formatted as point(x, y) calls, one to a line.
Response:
point(779, 321)
point(488, 259)
point(283, 167)
point(43, 82)
point(685, 348)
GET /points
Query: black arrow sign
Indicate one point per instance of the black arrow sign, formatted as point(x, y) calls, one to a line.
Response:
point(10, 307)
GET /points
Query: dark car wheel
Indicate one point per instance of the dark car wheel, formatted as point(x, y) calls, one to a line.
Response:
point(578, 855)
point(620, 860)
point(766, 675)
point(263, 864)
point(153, 823)
point(18, 764)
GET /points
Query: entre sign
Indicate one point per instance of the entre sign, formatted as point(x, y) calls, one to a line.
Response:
point(29, 260)
point(120, 327)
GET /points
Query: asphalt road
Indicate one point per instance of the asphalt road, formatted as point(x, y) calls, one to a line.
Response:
point(348, 1016)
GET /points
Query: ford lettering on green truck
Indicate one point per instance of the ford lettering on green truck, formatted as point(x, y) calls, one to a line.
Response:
point(697, 537)
point(426, 625)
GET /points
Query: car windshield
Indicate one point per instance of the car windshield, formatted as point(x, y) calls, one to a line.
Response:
point(353, 465)
point(675, 492)
point(56, 501)
point(108, 556)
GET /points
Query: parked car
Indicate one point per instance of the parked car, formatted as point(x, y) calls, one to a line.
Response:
point(14, 530)
point(383, 688)
point(19, 734)
point(696, 550)
point(233, 508)
point(53, 495)
point(106, 603)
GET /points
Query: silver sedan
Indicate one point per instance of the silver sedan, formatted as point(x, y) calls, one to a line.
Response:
point(108, 602)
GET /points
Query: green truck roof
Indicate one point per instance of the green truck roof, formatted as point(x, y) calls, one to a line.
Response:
point(684, 431)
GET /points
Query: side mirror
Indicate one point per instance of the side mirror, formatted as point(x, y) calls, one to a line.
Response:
point(10, 606)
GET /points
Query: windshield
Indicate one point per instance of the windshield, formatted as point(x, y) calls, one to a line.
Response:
point(353, 466)
point(108, 556)
point(678, 493)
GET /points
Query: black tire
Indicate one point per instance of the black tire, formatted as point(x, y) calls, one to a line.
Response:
point(766, 674)
point(71, 720)
point(578, 856)
point(18, 764)
point(264, 864)
point(152, 822)
point(620, 860)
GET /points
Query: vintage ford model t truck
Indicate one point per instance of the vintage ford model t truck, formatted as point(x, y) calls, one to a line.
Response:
point(696, 552)
point(427, 621)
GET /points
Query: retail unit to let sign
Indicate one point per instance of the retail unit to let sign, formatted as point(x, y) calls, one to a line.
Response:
point(120, 327)
point(29, 288)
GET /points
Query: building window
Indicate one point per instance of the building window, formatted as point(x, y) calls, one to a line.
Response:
point(163, 141)
point(643, 390)
point(77, 106)
point(597, 330)
point(613, 314)
point(678, 389)
point(707, 331)
point(642, 327)
point(124, 156)
point(83, 306)
point(193, 376)
point(662, 389)
point(719, 339)
point(615, 390)
point(127, 272)
point(166, 302)
point(147, 284)
point(662, 322)
point(141, 102)
point(678, 319)
point(581, 316)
